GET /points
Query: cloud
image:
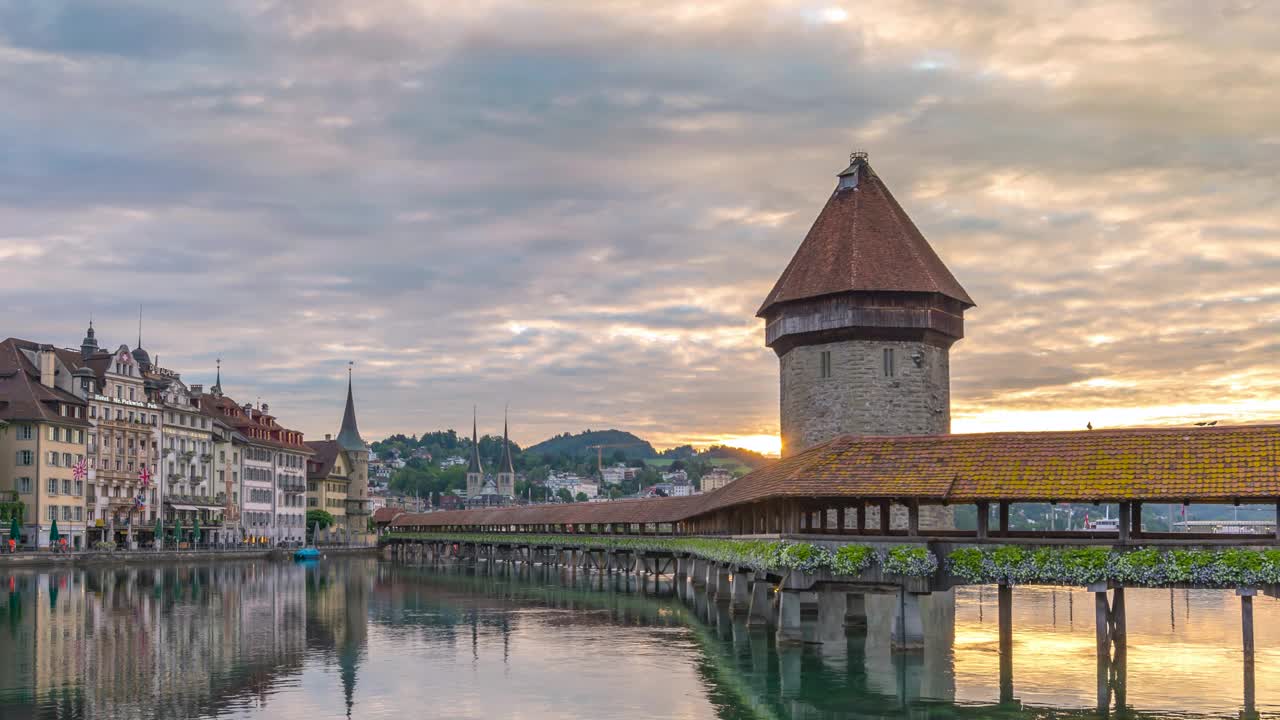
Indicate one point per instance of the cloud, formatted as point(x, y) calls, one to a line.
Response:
point(292, 185)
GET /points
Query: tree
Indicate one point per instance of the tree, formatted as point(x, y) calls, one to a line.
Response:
point(581, 497)
point(615, 493)
point(563, 495)
point(317, 518)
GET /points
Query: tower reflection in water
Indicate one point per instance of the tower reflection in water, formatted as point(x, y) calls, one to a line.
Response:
point(352, 637)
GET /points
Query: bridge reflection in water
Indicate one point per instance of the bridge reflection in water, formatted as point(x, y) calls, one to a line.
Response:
point(1179, 656)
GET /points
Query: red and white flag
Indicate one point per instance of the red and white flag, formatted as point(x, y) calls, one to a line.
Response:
point(80, 471)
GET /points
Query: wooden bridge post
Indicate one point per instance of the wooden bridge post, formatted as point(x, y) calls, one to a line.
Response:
point(861, 517)
point(1004, 518)
point(984, 520)
point(1246, 630)
point(884, 517)
point(1126, 518)
point(1102, 624)
point(1005, 602)
point(913, 518)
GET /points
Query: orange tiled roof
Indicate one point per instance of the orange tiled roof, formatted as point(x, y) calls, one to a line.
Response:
point(1220, 464)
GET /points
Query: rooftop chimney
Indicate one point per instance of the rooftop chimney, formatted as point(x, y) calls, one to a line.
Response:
point(264, 409)
point(328, 436)
point(46, 365)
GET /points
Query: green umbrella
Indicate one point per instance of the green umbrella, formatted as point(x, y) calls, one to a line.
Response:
point(195, 531)
point(159, 532)
point(177, 531)
point(15, 531)
point(53, 532)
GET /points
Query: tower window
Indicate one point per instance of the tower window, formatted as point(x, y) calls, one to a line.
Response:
point(888, 362)
point(824, 369)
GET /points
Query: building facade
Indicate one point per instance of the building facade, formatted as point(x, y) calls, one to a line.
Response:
point(187, 459)
point(43, 436)
point(273, 469)
point(124, 444)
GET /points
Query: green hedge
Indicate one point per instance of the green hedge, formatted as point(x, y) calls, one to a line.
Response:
point(761, 555)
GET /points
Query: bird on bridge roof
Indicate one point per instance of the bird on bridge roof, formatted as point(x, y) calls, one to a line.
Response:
point(1089, 425)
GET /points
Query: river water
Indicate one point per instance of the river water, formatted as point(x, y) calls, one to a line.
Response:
point(364, 638)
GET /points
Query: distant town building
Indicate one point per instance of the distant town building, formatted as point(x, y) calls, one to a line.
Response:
point(617, 474)
point(716, 479)
point(452, 461)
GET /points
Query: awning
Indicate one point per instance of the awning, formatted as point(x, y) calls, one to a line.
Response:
point(183, 507)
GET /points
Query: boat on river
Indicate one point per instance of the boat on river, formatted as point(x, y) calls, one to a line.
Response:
point(309, 552)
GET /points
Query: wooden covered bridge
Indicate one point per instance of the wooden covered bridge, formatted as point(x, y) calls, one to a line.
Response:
point(881, 487)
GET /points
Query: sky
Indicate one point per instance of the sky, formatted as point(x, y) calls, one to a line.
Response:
point(575, 208)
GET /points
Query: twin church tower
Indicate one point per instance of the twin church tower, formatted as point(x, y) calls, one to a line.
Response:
point(862, 321)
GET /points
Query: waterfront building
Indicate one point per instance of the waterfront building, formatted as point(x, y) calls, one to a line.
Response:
point(328, 479)
point(187, 458)
point(43, 436)
point(123, 446)
point(272, 473)
point(862, 321)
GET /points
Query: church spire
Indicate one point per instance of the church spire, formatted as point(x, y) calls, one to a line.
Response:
point(349, 434)
point(506, 466)
point(89, 345)
point(475, 466)
point(217, 384)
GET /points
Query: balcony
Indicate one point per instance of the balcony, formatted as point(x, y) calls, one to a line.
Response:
point(292, 484)
point(200, 501)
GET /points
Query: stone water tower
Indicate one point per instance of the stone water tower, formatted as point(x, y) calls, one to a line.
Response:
point(862, 321)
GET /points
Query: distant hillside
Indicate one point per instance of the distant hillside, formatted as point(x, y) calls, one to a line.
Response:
point(579, 446)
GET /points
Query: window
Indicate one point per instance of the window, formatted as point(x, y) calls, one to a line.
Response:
point(888, 362)
point(24, 485)
point(119, 392)
point(79, 513)
point(79, 487)
point(66, 512)
point(66, 487)
point(53, 512)
point(130, 393)
point(24, 432)
point(824, 361)
point(53, 434)
point(93, 412)
point(53, 459)
point(66, 460)
point(53, 486)
point(79, 437)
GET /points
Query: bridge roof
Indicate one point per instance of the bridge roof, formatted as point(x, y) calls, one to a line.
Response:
point(1219, 464)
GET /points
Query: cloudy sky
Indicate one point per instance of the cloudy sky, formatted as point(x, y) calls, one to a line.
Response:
point(576, 207)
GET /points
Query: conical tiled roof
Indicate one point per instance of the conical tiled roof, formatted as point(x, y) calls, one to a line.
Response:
point(863, 241)
point(349, 435)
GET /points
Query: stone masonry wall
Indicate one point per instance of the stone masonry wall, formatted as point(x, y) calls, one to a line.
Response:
point(858, 398)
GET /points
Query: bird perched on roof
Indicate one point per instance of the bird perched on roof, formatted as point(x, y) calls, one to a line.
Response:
point(1089, 425)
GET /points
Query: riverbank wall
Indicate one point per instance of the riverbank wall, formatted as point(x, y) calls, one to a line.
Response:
point(137, 557)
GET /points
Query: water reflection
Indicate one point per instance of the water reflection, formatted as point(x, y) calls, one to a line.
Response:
point(364, 639)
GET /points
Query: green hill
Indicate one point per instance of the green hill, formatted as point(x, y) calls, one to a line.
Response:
point(579, 446)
